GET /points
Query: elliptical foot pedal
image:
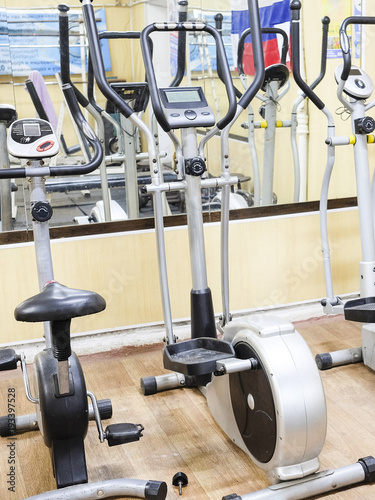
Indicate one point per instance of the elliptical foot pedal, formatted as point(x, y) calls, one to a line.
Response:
point(8, 359)
point(197, 356)
point(361, 310)
point(123, 433)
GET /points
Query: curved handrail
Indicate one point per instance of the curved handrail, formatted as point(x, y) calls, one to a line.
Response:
point(181, 45)
point(222, 60)
point(247, 32)
point(295, 6)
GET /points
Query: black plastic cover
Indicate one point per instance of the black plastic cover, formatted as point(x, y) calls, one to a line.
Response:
point(361, 310)
point(197, 356)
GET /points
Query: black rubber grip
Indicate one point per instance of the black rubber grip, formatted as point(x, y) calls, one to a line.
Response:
point(156, 490)
point(324, 361)
point(149, 386)
point(7, 427)
point(105, 409)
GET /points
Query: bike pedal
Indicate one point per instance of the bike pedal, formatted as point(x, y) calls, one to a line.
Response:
point(8, 359)
point(123, 433)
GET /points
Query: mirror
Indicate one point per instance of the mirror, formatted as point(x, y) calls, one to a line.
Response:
point(84, 200)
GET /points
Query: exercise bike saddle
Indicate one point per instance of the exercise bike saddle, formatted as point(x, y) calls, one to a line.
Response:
point(57, 302)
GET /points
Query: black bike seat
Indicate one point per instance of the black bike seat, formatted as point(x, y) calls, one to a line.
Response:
point(57, 302)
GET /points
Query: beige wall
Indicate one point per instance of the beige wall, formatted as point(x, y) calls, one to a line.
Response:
point(272, 261)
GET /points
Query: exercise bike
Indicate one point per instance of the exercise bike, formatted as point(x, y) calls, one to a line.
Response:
point(61, 398)
point(260, 379)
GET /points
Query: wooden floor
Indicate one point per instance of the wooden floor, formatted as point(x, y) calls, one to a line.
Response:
point(180, 434)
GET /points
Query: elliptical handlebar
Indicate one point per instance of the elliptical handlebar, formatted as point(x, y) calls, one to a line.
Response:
point(222, 61)
point(109, 35)
point(88, 134)
point(247, 32)
point(64, 53)
point(97, 60)
point(295, 6)
point(323, 59)
point(257, 55)
point(344, 41)
point(181, 45)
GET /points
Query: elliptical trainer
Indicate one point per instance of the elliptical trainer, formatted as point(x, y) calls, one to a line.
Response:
point(260, 380)
point(262, 352)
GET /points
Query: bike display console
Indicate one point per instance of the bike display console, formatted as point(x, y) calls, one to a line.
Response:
point(32, 138)
point(358, 85)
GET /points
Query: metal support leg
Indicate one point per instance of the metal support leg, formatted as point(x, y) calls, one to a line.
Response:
point(137, 488)
point(328, 360)
point(313, 486)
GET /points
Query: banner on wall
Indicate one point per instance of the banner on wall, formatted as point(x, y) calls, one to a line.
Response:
point(29, 40)
point(337, 11)
point(273, 13)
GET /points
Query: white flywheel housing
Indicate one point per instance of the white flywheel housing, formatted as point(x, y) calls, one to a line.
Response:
point(276, 413)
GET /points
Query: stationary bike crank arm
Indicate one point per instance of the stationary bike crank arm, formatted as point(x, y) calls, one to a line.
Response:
point(116, 433)
point(235, 365)
point(137, 488)
point(26, 380)
point(27, 423)
point(317, 484)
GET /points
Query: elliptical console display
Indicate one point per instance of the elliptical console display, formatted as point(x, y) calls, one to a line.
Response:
point(32, 138)
point(186, 107)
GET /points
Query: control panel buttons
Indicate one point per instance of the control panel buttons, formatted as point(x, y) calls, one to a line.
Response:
point(45, 146)
point(190, 114)
point(360, 83)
